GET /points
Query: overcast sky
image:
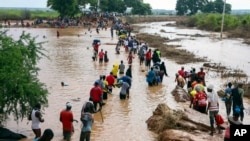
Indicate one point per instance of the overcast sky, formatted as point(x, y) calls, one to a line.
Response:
point(155, 4)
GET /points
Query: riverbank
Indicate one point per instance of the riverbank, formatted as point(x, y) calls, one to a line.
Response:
point(71, 62)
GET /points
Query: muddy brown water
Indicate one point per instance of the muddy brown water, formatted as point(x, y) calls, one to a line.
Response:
point(70, 61)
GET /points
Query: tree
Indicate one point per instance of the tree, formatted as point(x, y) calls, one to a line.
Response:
point(216, 7)
point(66, 8)
point(189, 7)
point(112, 6)
point(181, 7)
point(141, 8)
point(20, 88)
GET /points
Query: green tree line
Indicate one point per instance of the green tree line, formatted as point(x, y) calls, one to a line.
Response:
point(191, 7)
point(71, 8)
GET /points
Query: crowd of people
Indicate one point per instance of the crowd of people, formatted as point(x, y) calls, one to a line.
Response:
point(206, 101)
point(203, 100)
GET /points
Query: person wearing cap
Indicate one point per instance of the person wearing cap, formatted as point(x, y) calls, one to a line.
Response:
point(66, 117)
point(124, 89)
point(228, 98)
point(201, 75)
point(237, 99)
point(36, 118)
point(213, 106)
point(96, 95)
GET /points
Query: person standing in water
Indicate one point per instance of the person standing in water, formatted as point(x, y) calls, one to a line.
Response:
point(121, 68)
point(36, 118)
point(57, 34)
point(66, 117)
point(87, 121)
point(228, 99)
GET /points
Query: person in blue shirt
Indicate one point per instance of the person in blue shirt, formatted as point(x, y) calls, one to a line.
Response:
point(87, 121)
point(125, 78)
point(151, 77)
point(228, 99)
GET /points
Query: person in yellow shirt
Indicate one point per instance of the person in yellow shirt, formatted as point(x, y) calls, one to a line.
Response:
point(115, 70)
point(105, 88)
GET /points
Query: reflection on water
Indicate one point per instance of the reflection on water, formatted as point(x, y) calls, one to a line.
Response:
point(70, 61)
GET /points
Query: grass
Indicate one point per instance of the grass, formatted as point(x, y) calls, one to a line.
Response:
point(18, 14)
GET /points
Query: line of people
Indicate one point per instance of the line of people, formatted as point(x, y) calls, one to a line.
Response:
point(206, 101)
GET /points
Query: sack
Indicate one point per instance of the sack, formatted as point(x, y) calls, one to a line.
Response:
point(202, 103)
point(219, 120)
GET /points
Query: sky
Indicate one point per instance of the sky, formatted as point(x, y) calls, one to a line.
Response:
point(155, 4)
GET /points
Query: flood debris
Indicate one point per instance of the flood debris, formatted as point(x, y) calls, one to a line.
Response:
point(180, 94)
point(180, 125)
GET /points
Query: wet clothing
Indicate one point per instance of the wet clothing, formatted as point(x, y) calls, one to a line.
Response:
point(151, 76)
point(148, 58)
point(182, 73)
point(121, 68)
point(180, 81)
point(228, 100)
point(66, 117)
point(200, 102)
point(130, 59)
point(125, 78)
point(96, 94)
point(201, 76)
point(124, 90)
point(237, 99)
point(35, 120)
point(155, 58)
point(101, 56)
point(115, 70)
point(129, 72)
point(111, 80)
point(87, 121)
point(213, 106)
point(106, 59)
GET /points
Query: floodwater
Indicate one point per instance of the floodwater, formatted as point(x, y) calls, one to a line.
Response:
point(70, 61)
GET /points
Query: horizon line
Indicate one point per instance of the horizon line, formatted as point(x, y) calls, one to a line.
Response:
point(52, 9)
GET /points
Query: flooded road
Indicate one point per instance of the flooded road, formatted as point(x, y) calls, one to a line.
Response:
point(70, 61)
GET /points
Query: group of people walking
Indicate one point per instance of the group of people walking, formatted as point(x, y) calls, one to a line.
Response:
point(206, 100)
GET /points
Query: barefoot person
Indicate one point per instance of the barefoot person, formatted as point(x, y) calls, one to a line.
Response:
point(36, 118)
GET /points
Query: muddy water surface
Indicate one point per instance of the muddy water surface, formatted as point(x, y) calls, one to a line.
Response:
point(70, 61)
